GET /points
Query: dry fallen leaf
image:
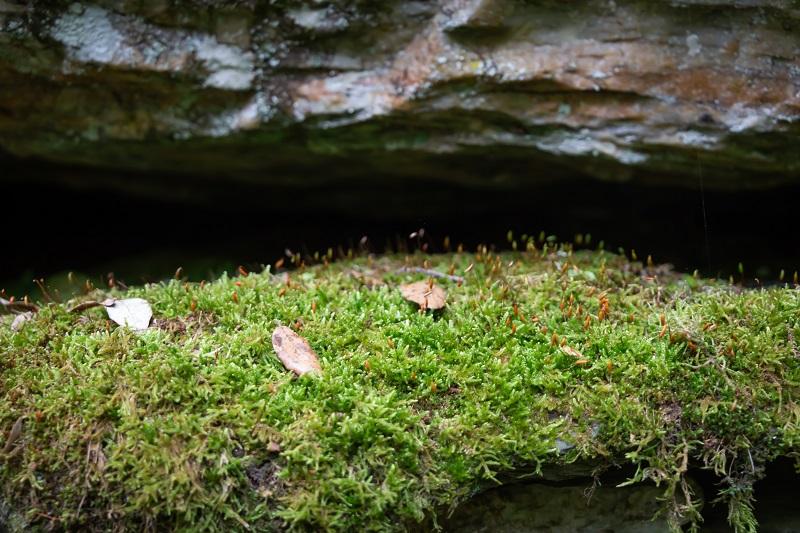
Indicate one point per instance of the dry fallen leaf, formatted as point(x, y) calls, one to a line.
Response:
point(13, 435)
point(572, 351)
point(19, 320)
point(294, 351)
point(425, 294)
point(134, 313)
point(95, 457)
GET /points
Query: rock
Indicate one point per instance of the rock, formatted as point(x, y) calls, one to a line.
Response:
point(559, 508)
point(483, 93)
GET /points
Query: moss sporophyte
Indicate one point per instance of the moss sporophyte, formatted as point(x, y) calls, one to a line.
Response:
point(194, 423)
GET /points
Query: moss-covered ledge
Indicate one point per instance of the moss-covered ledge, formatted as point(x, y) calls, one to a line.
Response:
point(541, 358)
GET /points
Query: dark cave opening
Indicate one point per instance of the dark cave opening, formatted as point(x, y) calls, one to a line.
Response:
point(51, 229)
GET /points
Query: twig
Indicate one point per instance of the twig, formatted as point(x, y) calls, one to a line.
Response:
point(792, 344)
point(84, 306)
point(431, 272)
point(13, 307)
point(40, 283)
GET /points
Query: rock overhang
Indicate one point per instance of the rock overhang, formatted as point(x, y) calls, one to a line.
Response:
point(623, 90)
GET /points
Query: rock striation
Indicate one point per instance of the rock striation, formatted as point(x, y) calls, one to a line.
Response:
point(495, 93)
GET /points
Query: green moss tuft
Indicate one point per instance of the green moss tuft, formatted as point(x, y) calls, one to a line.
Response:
point(195, 423)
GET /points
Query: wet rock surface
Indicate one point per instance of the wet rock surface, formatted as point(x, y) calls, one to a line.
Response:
point(540, 507)
point(567, 498)
point(480, 93)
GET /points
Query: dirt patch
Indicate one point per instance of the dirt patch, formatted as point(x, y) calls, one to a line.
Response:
point(368, 278)
point(264, 479)
point(198, 320)
point(672, 413)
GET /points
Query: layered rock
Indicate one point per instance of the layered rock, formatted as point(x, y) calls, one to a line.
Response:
point(478, 92)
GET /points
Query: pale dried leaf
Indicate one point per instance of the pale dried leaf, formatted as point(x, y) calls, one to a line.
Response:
point(424, 294)
point(13, 435)
point(569, 350)
point(294, 351)
point(134, 313)
point(95, 457)
point(19, 320)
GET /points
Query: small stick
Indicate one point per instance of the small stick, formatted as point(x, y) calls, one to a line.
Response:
point(432, 273)
point(40, 283)
point(84, 306)
point(13, 307)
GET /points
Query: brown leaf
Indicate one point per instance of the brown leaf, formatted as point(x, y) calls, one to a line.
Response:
point(294, 351)
point(569, 350)
point(425, 294)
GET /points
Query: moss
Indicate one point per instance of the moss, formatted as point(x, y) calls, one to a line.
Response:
point(195, 423)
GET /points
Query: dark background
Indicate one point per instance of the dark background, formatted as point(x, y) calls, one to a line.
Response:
point(51, 227)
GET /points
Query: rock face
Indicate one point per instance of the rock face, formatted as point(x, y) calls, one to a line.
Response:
point(538, 507)
point(477, 92)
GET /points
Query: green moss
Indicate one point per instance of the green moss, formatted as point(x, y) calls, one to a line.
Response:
point(414, 412)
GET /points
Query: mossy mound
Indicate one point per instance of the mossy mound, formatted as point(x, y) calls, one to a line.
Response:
point(540, 358)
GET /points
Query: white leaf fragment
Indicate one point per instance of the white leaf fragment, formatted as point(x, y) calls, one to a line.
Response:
point(20, 320)
point(134, 313)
